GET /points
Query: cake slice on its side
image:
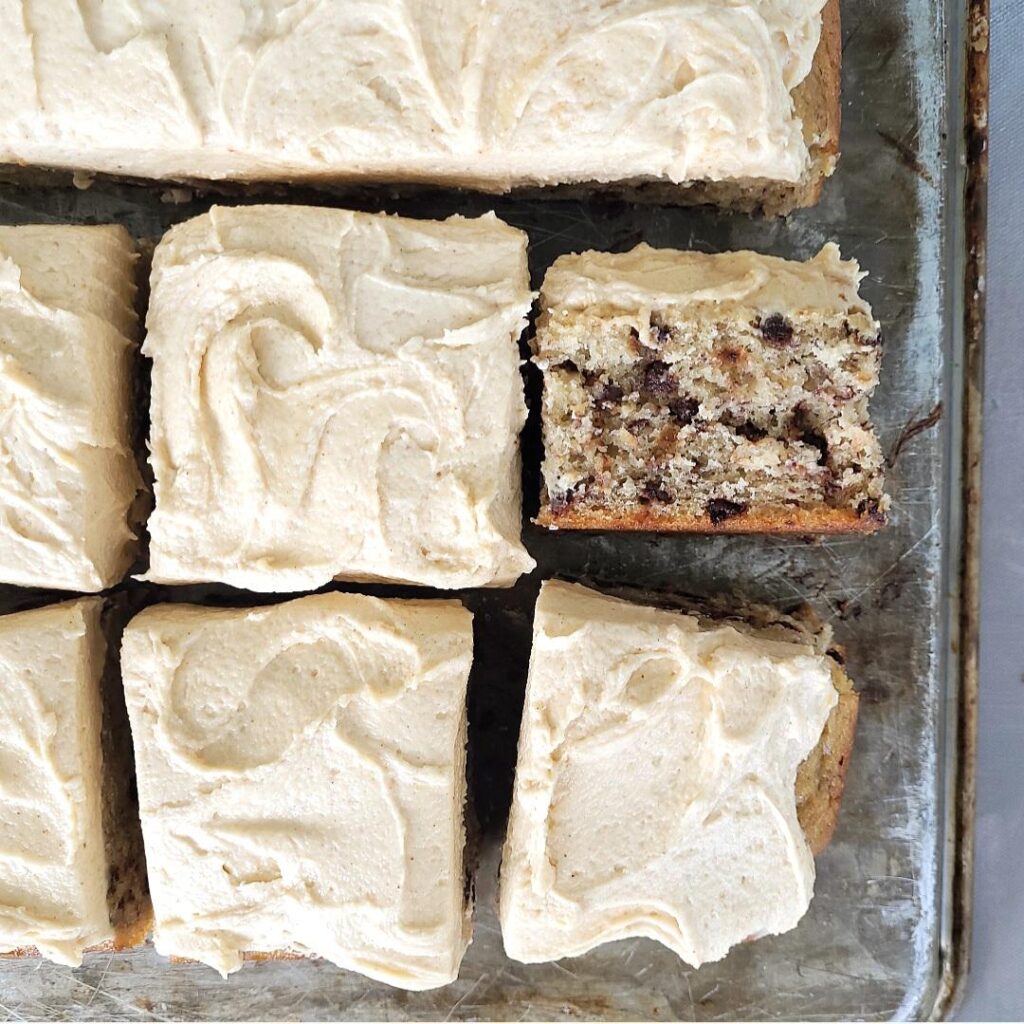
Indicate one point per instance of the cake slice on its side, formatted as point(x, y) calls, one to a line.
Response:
point(302, 777)
point(72, 875)
point(676, 774)
point(688, 392)
point(68, 478)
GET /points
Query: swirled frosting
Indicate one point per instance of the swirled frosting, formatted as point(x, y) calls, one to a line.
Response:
point(646, 278)
point(490, 94)
point(53, 866)
point(337, 395)
point(67, 473)
point(301, 781)
point(654, 791)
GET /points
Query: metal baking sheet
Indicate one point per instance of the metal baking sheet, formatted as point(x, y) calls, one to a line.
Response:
point(886, 933)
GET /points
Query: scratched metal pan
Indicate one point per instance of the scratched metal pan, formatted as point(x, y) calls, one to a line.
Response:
point(886, 933)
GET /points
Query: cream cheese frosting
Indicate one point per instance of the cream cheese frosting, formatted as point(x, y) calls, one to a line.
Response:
point(68, 476)
point(53, 865)
point(646, 278)
point(301, 781)
point(456, 91)
point(337, 395)
point(654, 792)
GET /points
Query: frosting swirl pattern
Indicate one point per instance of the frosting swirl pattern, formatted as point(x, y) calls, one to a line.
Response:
point(302, 778)
point(674, 90)
point(337, 395)
point(654, 793)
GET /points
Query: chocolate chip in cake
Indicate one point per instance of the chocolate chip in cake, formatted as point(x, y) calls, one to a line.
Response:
point(684, 410)
point(751, 431)
point(560, 501)
point(660, 334)
point(658, 379)
point(720, 509)
point(609, 393)
point(654, 490)
point(776, 330)
point(869, 508)
point(816, 440)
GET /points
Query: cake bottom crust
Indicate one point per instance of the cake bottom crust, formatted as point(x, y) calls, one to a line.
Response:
point(763, 520)
point(130, 935)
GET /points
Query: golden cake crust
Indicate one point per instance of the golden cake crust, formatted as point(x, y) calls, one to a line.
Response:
point(821, 779)
point(761, 519)
point(129, 935)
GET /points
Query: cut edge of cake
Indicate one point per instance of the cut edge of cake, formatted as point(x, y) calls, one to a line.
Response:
point(727, 393)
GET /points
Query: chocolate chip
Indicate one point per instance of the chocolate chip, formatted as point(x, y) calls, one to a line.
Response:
point(660, 334)
point(776, 330)
point(837, 654)
point(610, 393)
point(683, 410)
point(658, 379)
point(720, 509)
point(816, 440)
point(590, 377)
point(654, 490)
point(751, 431)
point(869, 507)
point(561, 501)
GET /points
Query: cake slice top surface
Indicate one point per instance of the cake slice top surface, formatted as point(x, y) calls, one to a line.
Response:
point(646, 278)
point(53, 869)
point(655, 788)
point(351, 378)
point(456, 91)
point(301, 780)
point(67, 472)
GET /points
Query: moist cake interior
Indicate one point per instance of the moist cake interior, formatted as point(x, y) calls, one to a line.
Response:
point(705, 416)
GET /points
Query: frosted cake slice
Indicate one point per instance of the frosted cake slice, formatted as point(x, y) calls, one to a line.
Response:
point(68, 477)
point(71, 871)
point(676, 775)
point(734, 103)
point(337, 395)
point(302, 780)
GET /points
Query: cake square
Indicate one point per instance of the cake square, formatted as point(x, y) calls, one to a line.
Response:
point(738, 102)
point(71, 875)
point(708, 393)
point(68, 477)
point(676, 774)
point(302, 779)
point(337, 395)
